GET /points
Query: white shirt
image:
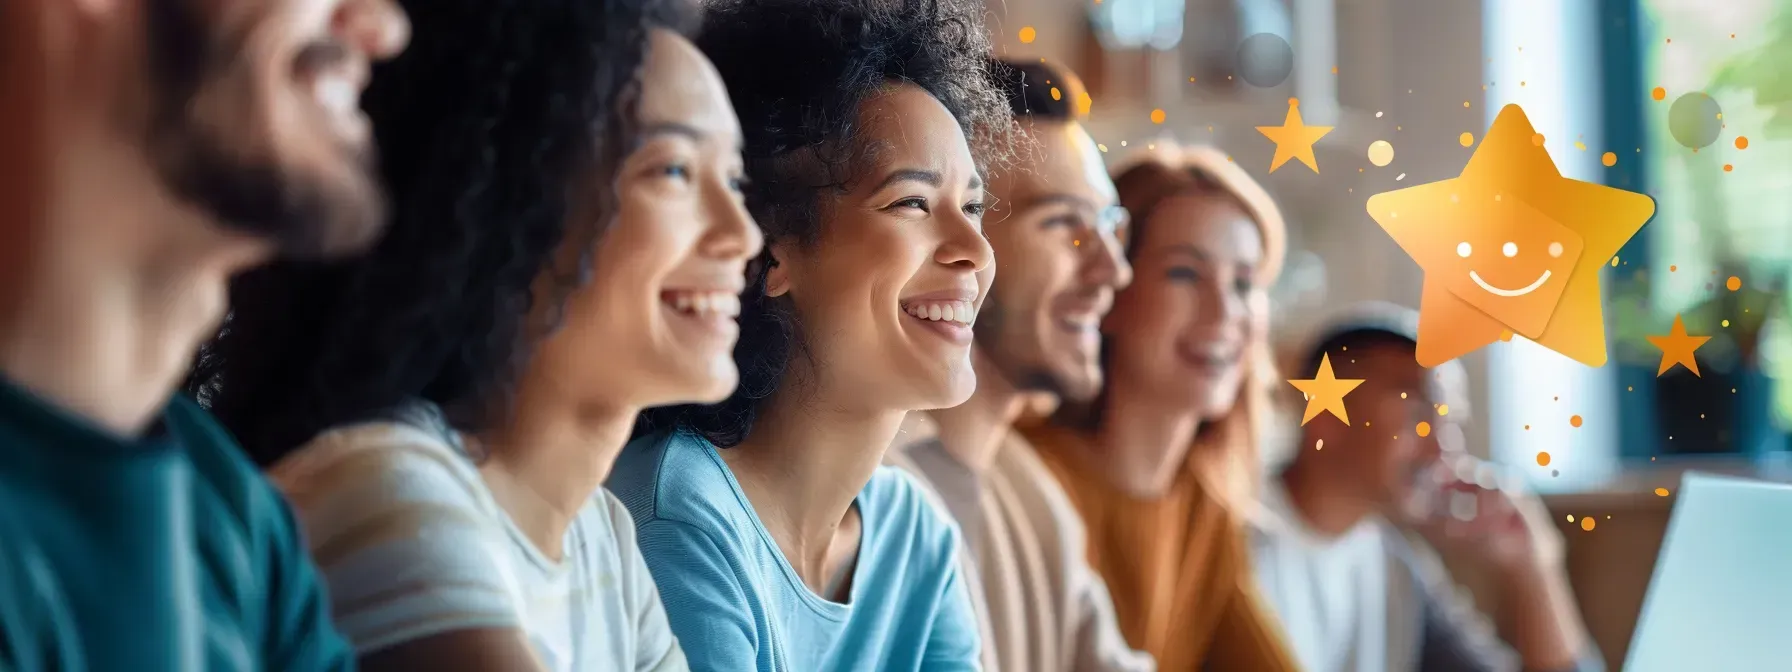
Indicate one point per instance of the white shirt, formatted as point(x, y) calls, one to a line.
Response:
point(1332, 593)
point(412, 544)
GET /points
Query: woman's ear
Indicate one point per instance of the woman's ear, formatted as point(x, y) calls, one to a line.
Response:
point(777, 278)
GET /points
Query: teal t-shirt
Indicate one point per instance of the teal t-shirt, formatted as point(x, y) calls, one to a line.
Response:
point(168, 552)
point(736, 604)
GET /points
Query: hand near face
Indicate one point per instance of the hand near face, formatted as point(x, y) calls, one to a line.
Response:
point(1455, 510)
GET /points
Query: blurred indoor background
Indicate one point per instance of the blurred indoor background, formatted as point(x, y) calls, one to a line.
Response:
point(1421, 73)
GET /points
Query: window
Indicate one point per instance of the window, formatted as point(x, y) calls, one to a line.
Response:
point(1135, 24)
point(1540, 56)
point(1722, 211)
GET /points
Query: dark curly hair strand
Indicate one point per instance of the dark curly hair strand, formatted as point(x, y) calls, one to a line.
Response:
point(798, 71)
point(485, 124)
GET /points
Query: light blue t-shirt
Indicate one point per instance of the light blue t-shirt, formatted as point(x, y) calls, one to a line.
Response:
point(736, 604)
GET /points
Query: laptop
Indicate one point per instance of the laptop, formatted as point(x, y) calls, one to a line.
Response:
point(1721, 595)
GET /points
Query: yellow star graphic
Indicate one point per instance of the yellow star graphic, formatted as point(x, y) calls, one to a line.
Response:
point(1677, 347)
point(1511, 245)
point(1325, 392)
point(1294, 140)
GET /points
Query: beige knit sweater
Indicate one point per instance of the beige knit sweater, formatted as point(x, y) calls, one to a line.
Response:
point(1047, 610)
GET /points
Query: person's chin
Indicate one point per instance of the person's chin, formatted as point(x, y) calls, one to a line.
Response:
point(706, 370)
point(692, 380)
point(1214, 398)
point(1077, 383)
point(954, 387)
point(715, 385)
point(309, 212)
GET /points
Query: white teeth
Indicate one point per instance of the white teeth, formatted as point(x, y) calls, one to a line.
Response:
point(337, 94)
point(705, 304)
point(961, 312)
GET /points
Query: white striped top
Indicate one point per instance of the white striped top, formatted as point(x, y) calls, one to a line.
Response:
point(412, 544)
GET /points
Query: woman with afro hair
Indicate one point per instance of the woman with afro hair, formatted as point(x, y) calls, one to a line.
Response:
point(568, 247)
point(777, 540)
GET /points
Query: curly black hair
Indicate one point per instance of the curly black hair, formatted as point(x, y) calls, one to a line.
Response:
point(484, 124)
point(798, 71)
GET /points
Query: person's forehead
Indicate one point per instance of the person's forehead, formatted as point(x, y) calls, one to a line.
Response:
point(688, 92)
point(904, 124)
point(1382, 363)
point(1052, 168)
point(1211, 222)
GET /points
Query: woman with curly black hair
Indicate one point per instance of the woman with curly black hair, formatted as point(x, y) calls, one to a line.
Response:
point(777, 540)
point(568, 247)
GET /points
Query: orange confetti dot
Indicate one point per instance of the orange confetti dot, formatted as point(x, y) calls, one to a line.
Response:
point(1506, 335)
point(1742, 142)
point(1157, 116)
point(1728, 167)
point(1424, 429)
point(1609, 159)
point(1574, 420)
point(1056, 95)
point(1527, 428)
point(1542, 459)
point(1734, 283)
point(1587, 523)
point(1466, 139)
point(1672, 268)
point(1537, 139)
point(1027, 35)
point(1661, 492)
point(1659, 93)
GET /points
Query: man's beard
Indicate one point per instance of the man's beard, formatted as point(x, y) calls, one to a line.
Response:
point(992, 336)
point(305, 213)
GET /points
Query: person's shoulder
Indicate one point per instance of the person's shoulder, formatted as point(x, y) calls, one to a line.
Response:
point(606, 520)
point(1050, 447)
point(674, 475)
point(213, 453)
point(1049, 437)
point(901, 502)
point(243, 496)
point(385, 460)
point(890, 484)
point(1018, 467)
point(1019, 472)
point(35, 623)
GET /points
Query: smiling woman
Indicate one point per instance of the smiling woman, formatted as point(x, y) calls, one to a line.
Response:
point(568, 241)
point(777, 540)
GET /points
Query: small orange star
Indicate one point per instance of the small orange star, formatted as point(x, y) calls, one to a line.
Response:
point(1294, 139)
point(1677, 348)
point(1325, 392)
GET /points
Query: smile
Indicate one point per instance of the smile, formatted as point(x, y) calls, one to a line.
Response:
point(1509, 292)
